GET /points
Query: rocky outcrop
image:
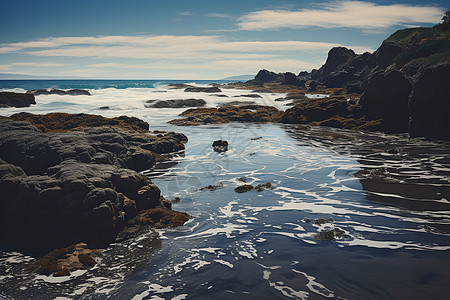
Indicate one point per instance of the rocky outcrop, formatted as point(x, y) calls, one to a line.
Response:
point(175, 103)
point(226, 114)
point(268, 76)
point(209, 89)
point(73, 92)
point(78, 185)
point(8, 99)
point(64, 122)
point(429, 103)
point(332, 112)
point(337, 57)
point(386, 98)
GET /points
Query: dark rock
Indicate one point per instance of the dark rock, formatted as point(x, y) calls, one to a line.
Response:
point(220, 95)
point(8, 99)
point(264, 186)
point(175, 103)
point(429, 103)
point(268, 76)
point(104, 107)
point(337, 56)
point(292, 79)
point(61, 187)
point(74, 92)
point(312, 86)
point(78, 92)
point(212, 89)
point(249, 96)
point(243, 188)
point(329, 235)
point(386, 97)
point(179, 85)
point(226, 114)
point(220, 146)
point(61, 262)
point(339, 79)
point(234, 103)
point(212, 187)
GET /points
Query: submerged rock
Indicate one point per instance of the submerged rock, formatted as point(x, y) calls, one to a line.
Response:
point(8, 99)
point(249, 96)
point(264, 186)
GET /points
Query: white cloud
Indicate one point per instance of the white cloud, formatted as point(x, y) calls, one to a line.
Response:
point(185, 13)
point(342, 14)
point(218, 15)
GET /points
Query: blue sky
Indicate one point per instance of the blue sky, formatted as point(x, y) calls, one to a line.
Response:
point(147, 39)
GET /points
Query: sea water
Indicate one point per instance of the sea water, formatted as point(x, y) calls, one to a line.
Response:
point(388, 194)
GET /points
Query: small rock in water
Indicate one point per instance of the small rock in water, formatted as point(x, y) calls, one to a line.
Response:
point(330, 235)
point(256, 138)
point(263, 186)
point(220, 146)
point(212, 187)
point(104, 107)
point(243, 188)
point(242, 179)
point(176, 200)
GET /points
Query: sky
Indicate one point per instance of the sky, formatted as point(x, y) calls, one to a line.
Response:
point(166, 39)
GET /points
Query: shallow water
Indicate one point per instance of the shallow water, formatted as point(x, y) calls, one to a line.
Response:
point(388, 194)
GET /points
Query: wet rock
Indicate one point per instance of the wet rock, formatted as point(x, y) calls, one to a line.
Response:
point(212, 187)
point(8, 99)
point(161, 218)
point(212, 89)
point(429, 106)
point(220, 95)
point(64, 122)
point(175, 103)
point(264, 186)
point(61, 187)
point(179, 85)
point(242, 179)
point(104, 107)
point(330, 235)
point(236, 103)
point(386, 98)
point(220, 146)
point(73, 92)
point(226, 114)
point(61, 262)
point(243, 188)
point(249, 96)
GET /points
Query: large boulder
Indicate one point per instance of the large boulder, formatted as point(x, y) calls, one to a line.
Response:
point(386, 98)
point(429, 103)
point(8, 99)
point(83, 184)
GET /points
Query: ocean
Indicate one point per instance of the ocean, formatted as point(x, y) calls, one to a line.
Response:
point(388, 196)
